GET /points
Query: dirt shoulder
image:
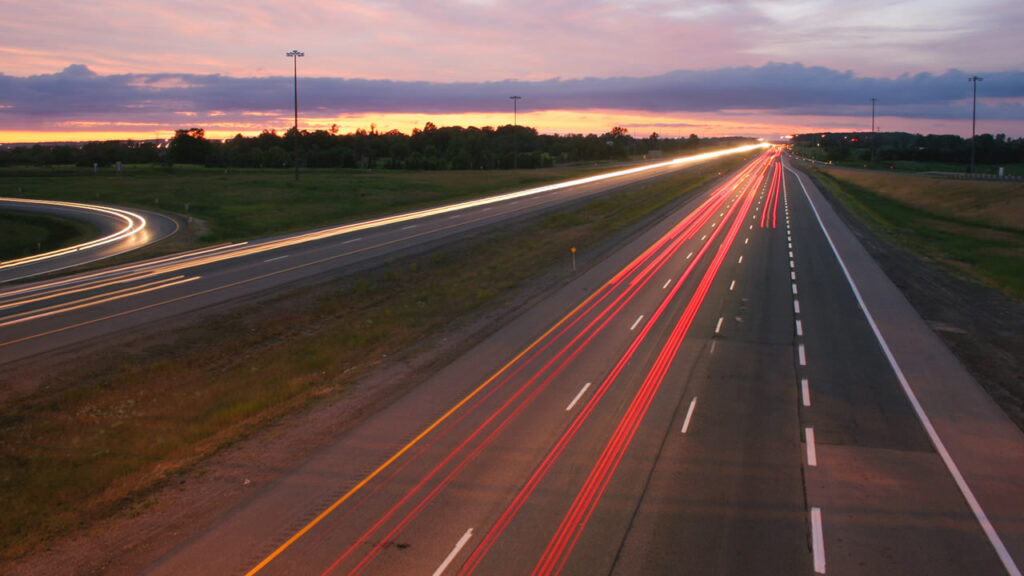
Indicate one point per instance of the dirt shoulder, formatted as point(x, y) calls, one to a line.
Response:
point(981, 326)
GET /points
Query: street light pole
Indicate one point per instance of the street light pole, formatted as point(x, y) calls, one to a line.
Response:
point(515, 124)
point(873, 100)
point(974, 109)
point(295, 55)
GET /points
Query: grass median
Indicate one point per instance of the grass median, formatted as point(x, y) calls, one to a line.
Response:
point(104, 433)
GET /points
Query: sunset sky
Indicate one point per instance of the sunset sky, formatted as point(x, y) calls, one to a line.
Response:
point(105, 69)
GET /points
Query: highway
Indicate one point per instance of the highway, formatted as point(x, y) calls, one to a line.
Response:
point(83, 309)
point(738, 391)
point(120, 231)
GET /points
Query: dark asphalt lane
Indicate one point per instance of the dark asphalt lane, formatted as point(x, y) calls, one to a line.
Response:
point(107, 221)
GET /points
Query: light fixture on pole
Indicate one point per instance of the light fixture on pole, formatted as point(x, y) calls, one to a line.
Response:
point(974, 109)
point(515, 124)
point(295, 55)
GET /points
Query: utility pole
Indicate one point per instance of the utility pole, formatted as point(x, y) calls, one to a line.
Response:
point(974, 110)
point(515, 145)
point(295, 55)
point(873, 100)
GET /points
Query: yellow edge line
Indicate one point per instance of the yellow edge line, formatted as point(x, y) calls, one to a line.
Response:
point(415, 440)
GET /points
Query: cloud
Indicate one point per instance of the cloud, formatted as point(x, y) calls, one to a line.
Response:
point(78, 94)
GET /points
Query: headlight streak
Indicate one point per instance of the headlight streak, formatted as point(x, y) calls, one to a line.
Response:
point(133, 223)
point(684, 230)
point(95, 300)
point(176, 263)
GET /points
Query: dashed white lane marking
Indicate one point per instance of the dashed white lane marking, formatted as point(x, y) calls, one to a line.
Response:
point(796, 306)
point(799, 328)
point(794, 288)
point(637, 322)
point(746, 240)
point(667, 282)
point(718, 327)
point(689, 415)
point(812, 452)
point(805, 391)
point(455, 552)
point(409, 227)
point(792, 275)
point(703, 237)
point(690, 255)
point(740, 261)
point(352, 240)
point(277, 258)
point(790, 253)
point(802, 354)
point(578, 396)
point(792, 264)
point(732, 285)
point(817, 541)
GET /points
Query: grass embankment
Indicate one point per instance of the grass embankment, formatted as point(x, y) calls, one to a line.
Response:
point(103, 434)
point(242, 204)
point(24, 234)
point(975, 228)
point(822, 155)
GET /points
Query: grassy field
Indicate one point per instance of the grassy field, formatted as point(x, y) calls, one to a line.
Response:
point(975, 228)
point(24, 234)
point(240, 204)
point(821, 155)
point(108, 430)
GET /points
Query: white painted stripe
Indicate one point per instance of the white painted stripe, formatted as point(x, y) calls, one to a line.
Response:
point(713, 342)
point(805, 391)
point(796, 306)
point(790, 245)
point(352, 240)
point(794, 288)
point(792, 264)
point(751, 226)
point(689, 415)
point(690, 255)
point(746, 240)
point(718, 327)
point(954, 471)
point(792, 275)
point(790, 253)
point(667, 282)
point(578, 396)
point(799, 328)
point(802, 354)
point(740, 261)
point(455, 552)
point(409, 227)
point(703, 237)
point(277, 258)
point(637, 322)
point(812, 452)
point(817, 541)
point(733, 285)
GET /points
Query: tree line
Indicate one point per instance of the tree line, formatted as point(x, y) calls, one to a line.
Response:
point(902, 146)
point(432, 148)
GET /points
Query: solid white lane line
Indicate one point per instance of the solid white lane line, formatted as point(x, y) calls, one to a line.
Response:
point(718, 327)
point(733, 285)
point(794, 288)
point(979, 513)
point(667, 282)
point(277, 258)
point(805, 391)
point(799, 328)
point(689, 415)
point(578, 396)
point(740, 261)
point(817, 541)
point(796, 306)
point(637, 322)
point(812, 452)
point(802, 354)
point(455, 552)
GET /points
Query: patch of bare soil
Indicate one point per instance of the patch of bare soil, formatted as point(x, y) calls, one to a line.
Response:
point(981, 326)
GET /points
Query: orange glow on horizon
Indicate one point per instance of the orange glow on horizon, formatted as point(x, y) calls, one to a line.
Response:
point(640, 124)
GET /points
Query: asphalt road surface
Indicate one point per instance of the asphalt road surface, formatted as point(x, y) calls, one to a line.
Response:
point(738, 391)
point(120, 230)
